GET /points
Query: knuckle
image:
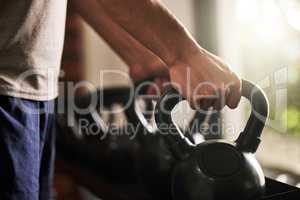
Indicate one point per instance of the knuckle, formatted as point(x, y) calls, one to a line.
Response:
point(232, 105)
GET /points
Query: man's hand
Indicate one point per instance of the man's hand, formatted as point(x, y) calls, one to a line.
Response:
point(206, 81)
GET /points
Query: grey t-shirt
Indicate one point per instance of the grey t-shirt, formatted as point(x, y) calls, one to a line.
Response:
point(31, 42)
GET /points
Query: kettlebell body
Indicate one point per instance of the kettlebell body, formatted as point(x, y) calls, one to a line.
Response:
point(155, 162)
point(218, 170)
point(155, 165)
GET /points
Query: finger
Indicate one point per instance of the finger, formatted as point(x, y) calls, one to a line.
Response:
point(219, 104)
point(156, 88)
point(207, 98)
point(234, 94)
point(206, 104)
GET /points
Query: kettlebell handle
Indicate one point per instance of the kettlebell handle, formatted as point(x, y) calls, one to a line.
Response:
point(248, 140)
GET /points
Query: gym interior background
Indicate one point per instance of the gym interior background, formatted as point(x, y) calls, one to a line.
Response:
point(260, 39)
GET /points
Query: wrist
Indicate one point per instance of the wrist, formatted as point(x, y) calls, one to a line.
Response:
point(187, 58)
point(185, 53)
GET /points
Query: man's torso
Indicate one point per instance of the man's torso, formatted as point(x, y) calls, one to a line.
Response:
point(31, 41)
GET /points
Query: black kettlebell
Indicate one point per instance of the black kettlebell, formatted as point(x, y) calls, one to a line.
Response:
point(216, 169)
point(155, 162)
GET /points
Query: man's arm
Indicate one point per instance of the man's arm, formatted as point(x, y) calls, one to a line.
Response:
point(153, 25)
point(197, 73)
point(141, 61)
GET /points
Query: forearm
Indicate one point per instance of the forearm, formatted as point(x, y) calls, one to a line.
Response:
point(154, 26)
point(129, 49)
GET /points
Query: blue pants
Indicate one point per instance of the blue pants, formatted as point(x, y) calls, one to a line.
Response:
point(27, 142)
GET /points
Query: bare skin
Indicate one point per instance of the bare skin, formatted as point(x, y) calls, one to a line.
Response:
point(201, 77)
point(141, 61)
